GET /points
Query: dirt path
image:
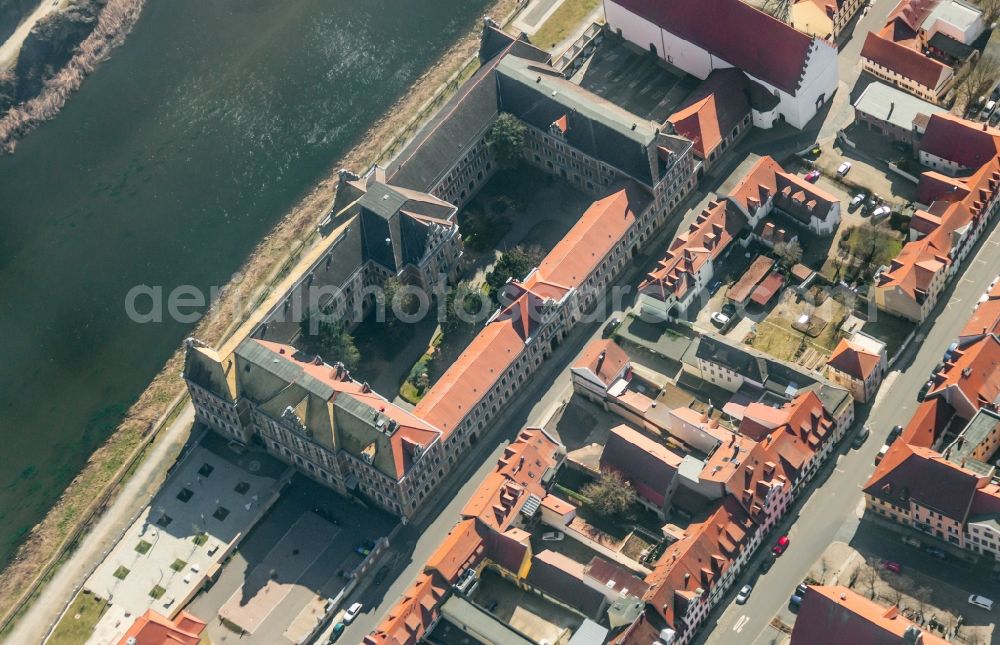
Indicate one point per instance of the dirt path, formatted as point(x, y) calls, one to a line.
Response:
point(268, 264)
point(10, 48)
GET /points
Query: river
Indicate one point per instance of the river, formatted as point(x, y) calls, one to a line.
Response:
point(168, 166)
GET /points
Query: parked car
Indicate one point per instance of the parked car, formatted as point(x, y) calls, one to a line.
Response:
point(862, 436)
point(844, 168)
point(856, 202)
point(720, 319)
point(714, 286)
point(744, 594)
point(936, 552)
point(882, 452)
point(352, 613)
point(796, 600)
point(924, 389)
point(981, 601)
point(729, 309)
point(553, 536)
point(338, 629)
point(492, 605)
point(889, 565)
point(894, 434)
point(812, 175)
point(948, 353)
point(881, 211)
point(612, 325)
point(381, 574)
point(766, 565)
point(912, 541)
point(781, 545)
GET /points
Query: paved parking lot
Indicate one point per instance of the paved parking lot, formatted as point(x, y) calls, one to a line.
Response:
point(246, 575)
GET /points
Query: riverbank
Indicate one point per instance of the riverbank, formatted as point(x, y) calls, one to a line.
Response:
point(114, 22)
point(87, 493)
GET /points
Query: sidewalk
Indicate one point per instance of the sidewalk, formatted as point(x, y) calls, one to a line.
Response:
point(34, 625)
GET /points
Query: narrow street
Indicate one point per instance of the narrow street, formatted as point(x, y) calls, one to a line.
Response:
point(831, 508)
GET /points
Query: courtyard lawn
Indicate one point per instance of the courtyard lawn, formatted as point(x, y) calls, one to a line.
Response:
point(78, 622)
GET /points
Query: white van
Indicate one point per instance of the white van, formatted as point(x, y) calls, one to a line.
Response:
point(987, 109)
point(981, 601)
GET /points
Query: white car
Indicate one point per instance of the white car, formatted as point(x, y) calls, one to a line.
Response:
point(553, 536)
point(981, 601)
point(352, 613)
point(844, 168)
point(858, 200)
point(720, 319)
point(881, 211)
point(744, 594)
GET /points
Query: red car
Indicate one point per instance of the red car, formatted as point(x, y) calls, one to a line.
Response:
point(780, 547)
point(812, 175)
point(891, 566)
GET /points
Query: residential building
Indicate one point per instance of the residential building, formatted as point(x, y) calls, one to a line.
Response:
point(767, 188)
point(602, 364)
point(649, 466)
point(940, 476)
point(155, 629)
point(985, 317)
point(715, 116)
point(831, 615)
point(699, 37)
point(960, 208)
point(823, 18)
point(896, 115)
point(689, 265)
point(858, 364)
point(921, 44)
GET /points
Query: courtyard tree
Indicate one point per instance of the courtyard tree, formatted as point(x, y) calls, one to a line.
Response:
point(506, 139)
point(515, 263)
point(329, 339)
point(464, 306)
point(871, 246)
point(610, 495)
point(788, 253)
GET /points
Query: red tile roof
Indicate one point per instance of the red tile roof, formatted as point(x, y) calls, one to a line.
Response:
point(706, 238)
point(155, 629)
point(758, 270)
point(853, 360)
point(767, 289)
point(837, 615)
point(928, 423)
point(766, 179)
point(461, 549)
point(408, 620)
point(975, 370)
point(964, 142)
point(905, 61)
point(708, 115)
point(986, 317)
point(697, 561)
point(604, 359)
point(500, 343)
point(724, 28)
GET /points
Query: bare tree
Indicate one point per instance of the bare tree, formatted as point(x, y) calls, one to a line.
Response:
point(823, 567)
point(976, 79)
point(922, 597)
point(867, 577)
point(991, 10)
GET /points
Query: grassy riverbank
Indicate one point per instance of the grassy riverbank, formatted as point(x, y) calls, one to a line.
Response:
point(273, 257)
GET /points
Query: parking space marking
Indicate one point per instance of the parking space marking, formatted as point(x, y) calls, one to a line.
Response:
point(741, 623)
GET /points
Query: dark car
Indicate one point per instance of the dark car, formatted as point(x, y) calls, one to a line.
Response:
point(924, 389)
point(729, 309)
point(713, 288)
point(381, 574)
point(894, 434)
point(766, 565)
point(935, 552)
point(612, 325)
point(338, 629)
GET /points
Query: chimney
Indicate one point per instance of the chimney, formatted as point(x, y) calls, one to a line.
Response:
point(600, 361)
